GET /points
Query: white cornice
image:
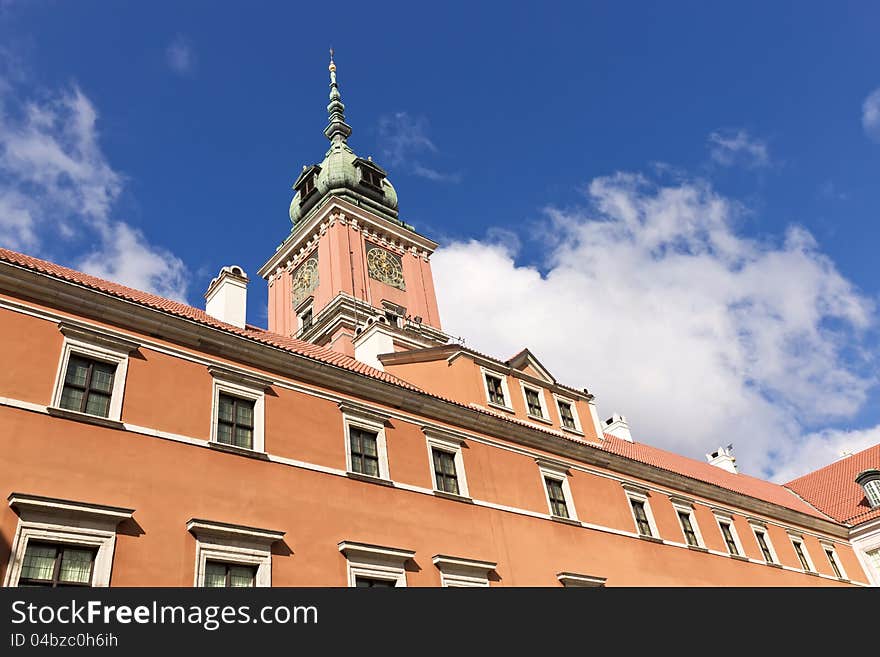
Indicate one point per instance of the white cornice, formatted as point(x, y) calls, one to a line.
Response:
point(304, 234)
point(22, 502)
point(354, 550)
point(443, 561)
point(208, 528)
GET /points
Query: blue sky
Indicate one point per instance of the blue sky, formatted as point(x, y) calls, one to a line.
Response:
point(696, 179)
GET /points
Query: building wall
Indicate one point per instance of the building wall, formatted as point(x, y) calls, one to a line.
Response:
point(161, 466)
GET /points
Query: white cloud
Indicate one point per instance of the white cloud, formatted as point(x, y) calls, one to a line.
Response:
point(56, 185)
point(405, 142)
point(824, 447)
point(181, 56)
point(700, 336)
point(738, 148)
point(871, 115)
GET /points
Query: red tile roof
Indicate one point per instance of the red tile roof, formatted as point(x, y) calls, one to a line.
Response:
point(640, 452)
point(292, 345)
point(712, 474)
point(834, 490)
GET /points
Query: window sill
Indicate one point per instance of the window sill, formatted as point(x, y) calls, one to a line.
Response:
point(572, 431)
point(357, 476)
point(844, 580)
point(540, 419)
point(738, 557)
point(241, 451)
point(84, 417)
point(499, 407)
point(566, 521)
point(773, 565)
point(650, 539)
point(812, 573)
point(453, 497)
point(697, 548)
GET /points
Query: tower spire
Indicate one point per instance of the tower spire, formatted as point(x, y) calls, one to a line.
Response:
point(337, 129)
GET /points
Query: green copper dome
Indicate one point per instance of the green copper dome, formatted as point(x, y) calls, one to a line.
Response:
point(342, 173)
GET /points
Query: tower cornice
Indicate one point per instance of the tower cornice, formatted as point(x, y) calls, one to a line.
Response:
point(306, 234)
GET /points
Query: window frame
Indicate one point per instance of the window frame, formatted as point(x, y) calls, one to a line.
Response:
point(366, 419)
point(227, 566)
point(578, 427)
point(560, 473)
point(375, 562)
point(834, 560)
point(542, 402)
point(56, 581)
point(797, 539)
point(639, 494)
point(760, 528)
point(235, 545)
point(682, 506)
point(241, 386)
point(450, 444)
point(508, 401)
point(457, 572)
point(56, 521)
point(93, 344)
point(723, 517)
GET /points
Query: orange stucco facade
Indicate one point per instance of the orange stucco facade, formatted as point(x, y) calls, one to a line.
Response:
point(160, 464)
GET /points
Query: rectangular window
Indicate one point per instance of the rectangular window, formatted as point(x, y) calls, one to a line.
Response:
point(496, 390)
point(364, 451)
point(218, 574)
point(644, 527)
point(557, 497)
point(567, 416)
point(762, 543)
point(689, 534)
point(832, 559)
point(729, 541)
point(88, 385)
point(444, 471)
point(533, 402)
point(235, 421)
point(53, 565)
point(801, 555)
point(305, 320)
point(373, 583)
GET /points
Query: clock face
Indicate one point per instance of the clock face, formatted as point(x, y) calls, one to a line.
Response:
point(385, 267)
point(305, 279)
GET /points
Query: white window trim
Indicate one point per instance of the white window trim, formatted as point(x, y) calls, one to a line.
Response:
point(724, 517)
point(508, 403)
point(830, 546)
point(364, 417)
point(762, 528)
point(545, 414)
point(71, 523)
point(796, 538)
point(688, 508)
point(456, 572)
point(242, 386)
point(561, 473)
point(93, 343)
point(872, 489)
point(872, 570)
point(578, 428)
point(451, 444)
point(375, 562)
point(574, 580)
point(638, 494)
point(236, 544)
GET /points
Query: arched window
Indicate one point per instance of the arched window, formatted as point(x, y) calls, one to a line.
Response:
point(870, 481)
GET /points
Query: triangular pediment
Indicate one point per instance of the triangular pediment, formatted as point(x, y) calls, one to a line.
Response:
point(526, 363)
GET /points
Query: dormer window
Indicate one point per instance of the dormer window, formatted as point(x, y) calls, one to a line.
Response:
point(305, 184)
point(371, 175)
point(869, 480)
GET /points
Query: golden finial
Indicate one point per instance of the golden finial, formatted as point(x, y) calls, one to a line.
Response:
point(332, 66)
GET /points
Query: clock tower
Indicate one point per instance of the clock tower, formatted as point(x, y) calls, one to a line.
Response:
point(351, 276)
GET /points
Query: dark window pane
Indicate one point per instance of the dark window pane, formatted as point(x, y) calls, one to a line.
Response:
point(444, 471)
point(728, 538)
point(765, 549)
point(642, 523)
point(72, 398)
point(496, 391)
point(833, 561)
point(87, 386)
point(77, 371)
point(369, 583)
point(364, 451)
point(799, 550)
point(76, 565)
point(102, 377)
point(534, 403)
point(555, 492)
point(57, 565)
point(98, 404)
point(688, 529)
point(566, 415)
point(39, 562)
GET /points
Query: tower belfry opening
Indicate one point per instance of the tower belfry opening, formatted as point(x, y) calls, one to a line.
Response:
point(349, 257)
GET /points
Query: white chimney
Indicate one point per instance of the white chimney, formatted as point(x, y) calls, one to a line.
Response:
point(226, 298)
point(617, 426)
point(723, 458)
